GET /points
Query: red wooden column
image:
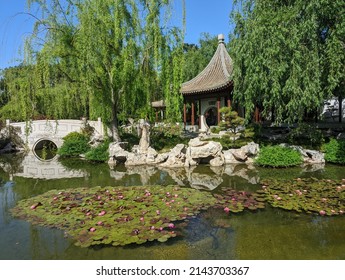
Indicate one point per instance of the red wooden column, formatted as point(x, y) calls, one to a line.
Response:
point(218, 108)
point(229, 102)
point(184, 114)
point(199, 114)
point(257, 114)
point(193, 113)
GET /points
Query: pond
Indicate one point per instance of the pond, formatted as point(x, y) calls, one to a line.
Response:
point(269, 233)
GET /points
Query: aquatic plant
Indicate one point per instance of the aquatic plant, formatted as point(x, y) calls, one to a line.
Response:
point(234, 201)
point(310, 195)
point(115, 215)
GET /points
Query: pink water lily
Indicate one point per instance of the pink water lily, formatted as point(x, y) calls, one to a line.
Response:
point(158, 212)
point(141, 219)
point(226, 209)
point(102, 213)
point(100, 223)
point(171, 225)
point(322, 212)
point(92, 229)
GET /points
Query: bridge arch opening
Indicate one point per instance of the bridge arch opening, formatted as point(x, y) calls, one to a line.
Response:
point(45, 149)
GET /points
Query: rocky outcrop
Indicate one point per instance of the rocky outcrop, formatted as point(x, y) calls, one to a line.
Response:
point(176, 157)
point(196, 152)
point(209, 151)
point(245, 154)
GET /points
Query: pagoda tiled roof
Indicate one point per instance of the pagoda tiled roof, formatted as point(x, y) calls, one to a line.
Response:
point(215, 76)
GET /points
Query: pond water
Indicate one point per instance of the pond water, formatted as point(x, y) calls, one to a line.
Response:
point(270, 233)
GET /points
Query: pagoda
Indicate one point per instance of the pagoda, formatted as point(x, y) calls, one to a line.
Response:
point(210, 90)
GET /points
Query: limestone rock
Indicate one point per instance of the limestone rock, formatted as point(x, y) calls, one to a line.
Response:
point(217, 161)
point(117, 152)
point(176, 157)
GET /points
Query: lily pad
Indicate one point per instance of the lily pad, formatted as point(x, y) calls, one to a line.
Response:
point(310, 195)
point(115, 215)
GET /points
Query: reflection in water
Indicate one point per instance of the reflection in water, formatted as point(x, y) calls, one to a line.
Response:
point(266, 234)
point(33, 167)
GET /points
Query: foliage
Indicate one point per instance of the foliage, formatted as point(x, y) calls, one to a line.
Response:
point(115, 215)
point(236, 201)
point(289, 55)
point(237, 135)
point(323, 197)
point(99, 153)
point(307, 136)
point(278, 156)
point(74, 144)
point(134, 54)
point(230, 120)
point(335, 151)
point(166, 137)
point(124, 215)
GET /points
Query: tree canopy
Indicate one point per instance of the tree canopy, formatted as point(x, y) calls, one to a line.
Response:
point(289, 55)
point(99, 58)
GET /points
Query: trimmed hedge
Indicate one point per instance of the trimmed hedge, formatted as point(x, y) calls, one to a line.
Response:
point(278, 156)
point(335, 151)
point(74, 144)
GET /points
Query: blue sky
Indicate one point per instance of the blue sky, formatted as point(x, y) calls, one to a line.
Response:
point(210, 16)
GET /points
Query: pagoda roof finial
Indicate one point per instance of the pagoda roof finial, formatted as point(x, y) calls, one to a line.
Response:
point(221, 38)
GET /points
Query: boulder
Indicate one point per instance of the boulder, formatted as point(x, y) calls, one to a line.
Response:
point(198, 150)
point(176, 157)
point(117, 152)
point(217, 161)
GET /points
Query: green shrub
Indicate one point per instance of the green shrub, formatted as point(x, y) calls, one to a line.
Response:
point(335, 151)
point(74, 144)
point(278, 156)
point(99, 153)
point(307, 136)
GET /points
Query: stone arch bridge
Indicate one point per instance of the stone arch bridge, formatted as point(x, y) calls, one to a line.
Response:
point(35, 132)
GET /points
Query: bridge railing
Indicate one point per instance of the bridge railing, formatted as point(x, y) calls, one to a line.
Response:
point(54, 130)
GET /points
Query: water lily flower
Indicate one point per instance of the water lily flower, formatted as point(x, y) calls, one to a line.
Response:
point(100, 223)
point(226, 209)
point(160, 229)
point(322, 212)
point(341, 212)
point(171, 225)
point(92, 229)
point(102, 213)
point(158, 212)
point(176, 195)
point(120, 197)
point(152, 227)
point(141, 219)
point(55, 198)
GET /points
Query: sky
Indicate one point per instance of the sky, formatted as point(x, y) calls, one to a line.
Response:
point(211, 16)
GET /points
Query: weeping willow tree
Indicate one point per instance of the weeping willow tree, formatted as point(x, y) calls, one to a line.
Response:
point(289, 55)
point(100, 58)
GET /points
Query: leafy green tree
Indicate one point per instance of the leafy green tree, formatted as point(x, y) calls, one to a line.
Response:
point(103, 58)
point(289, 55)
point(231, 120)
